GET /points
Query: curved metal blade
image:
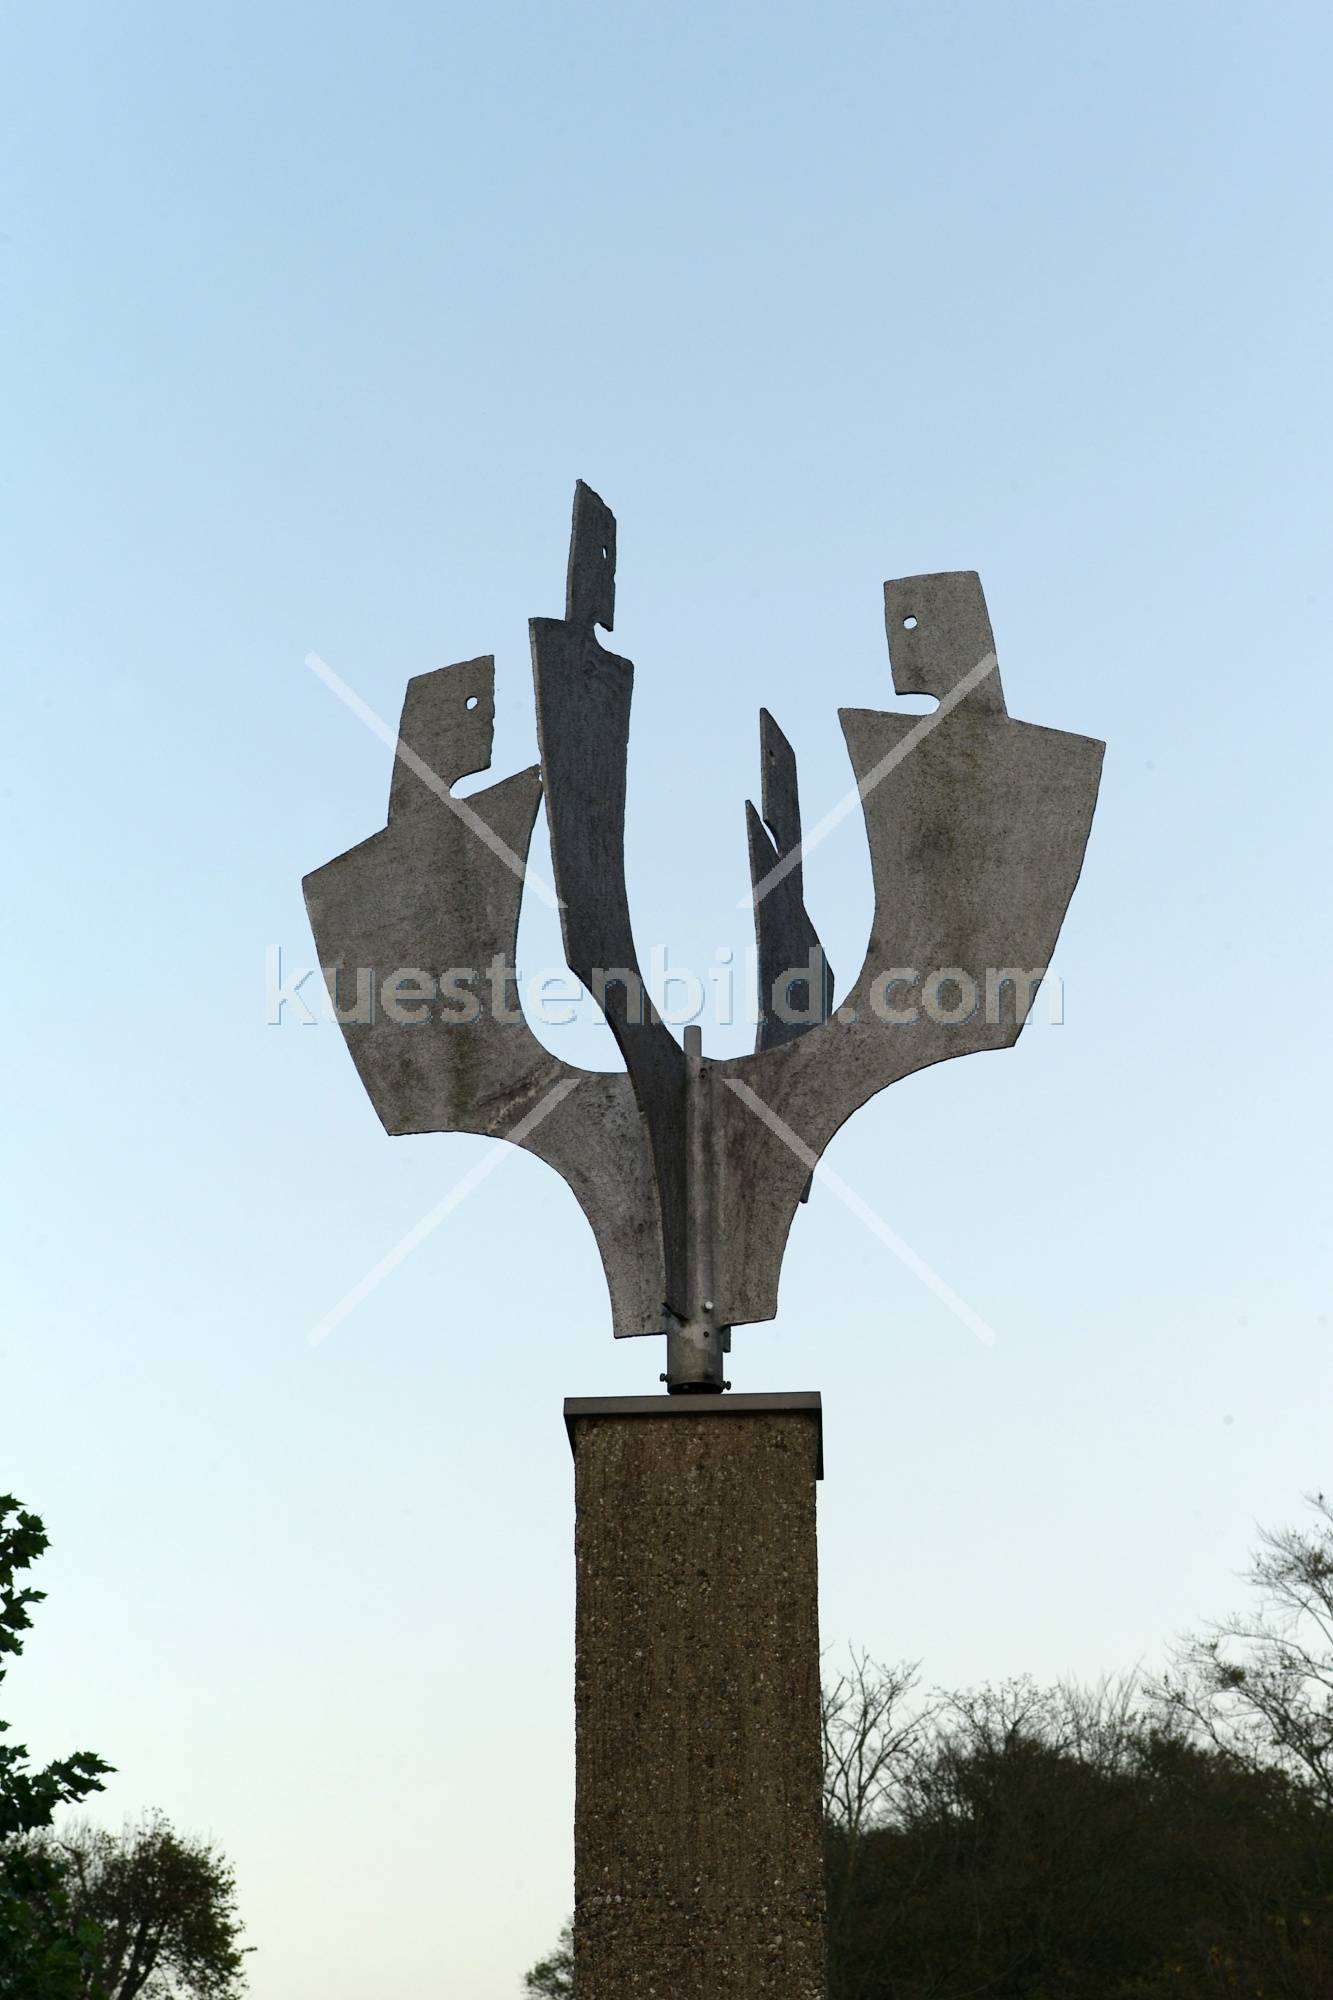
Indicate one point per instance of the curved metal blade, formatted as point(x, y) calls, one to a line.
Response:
point(583, 696)
point(435, 896)
point(977, 827)
point(795, 977)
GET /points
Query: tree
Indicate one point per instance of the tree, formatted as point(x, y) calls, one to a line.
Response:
point(1060, 1844)
point(45, 1951)
point(553, 1979)
point(867, 1741)
point(870, 1739)
point(165, 1908)
point(1260, 1687)
point(28, 1797)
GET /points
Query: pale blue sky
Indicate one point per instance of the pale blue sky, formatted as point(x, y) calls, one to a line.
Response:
point(313, 315)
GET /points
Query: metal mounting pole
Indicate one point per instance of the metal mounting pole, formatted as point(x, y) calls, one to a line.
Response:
point(696, 1346)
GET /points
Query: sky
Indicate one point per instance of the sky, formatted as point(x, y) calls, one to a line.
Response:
point(313, 315)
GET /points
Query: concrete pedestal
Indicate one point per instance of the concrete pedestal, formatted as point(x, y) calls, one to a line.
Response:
point(697, 1831)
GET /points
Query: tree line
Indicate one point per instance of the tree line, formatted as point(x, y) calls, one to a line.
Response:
point(1144, 1838)
point(1163, 1837)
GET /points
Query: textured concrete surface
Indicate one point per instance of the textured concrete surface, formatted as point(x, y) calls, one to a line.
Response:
point(698, 1869)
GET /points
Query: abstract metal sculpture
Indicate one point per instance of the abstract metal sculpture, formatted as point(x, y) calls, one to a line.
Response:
point(689, 1170)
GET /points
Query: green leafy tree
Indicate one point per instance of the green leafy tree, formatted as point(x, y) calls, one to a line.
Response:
point(553, 1979)
point(46, 1951)
point(164, 1906)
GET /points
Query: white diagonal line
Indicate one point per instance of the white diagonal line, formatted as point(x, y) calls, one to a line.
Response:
point(456, 1195)
point(863, 1212)
point(431, 779)
point(877, 773)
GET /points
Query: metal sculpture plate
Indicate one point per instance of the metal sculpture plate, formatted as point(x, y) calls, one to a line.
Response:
point(690, 1171)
